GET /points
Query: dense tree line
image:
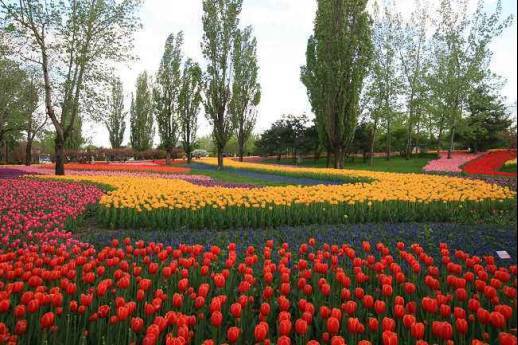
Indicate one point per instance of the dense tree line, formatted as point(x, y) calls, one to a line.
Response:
point(429, 83)
point(383, 82)
point(376, 80)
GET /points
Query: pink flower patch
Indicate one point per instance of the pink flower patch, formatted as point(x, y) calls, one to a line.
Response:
point(454, 164)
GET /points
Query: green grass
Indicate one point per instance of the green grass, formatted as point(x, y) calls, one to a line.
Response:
point(232, 177)
point(395, 164)
point(509, 168)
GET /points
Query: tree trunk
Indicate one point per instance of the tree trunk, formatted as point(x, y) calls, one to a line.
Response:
point(371, 155)
point(241, 153)
point(59, 155)
point(452, 135)
point(220, 158)
point(408, 152)
point(339, 158)
point(189, 157)
point(241, 147)
point(28, 152)
point(6, 156)
point(316, 155)
point(168, 156)
point(389, 139)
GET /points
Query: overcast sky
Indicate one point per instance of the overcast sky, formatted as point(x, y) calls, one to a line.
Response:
point(282, 28)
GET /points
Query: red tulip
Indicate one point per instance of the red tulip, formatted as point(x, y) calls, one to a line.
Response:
point(261, 331)
point(233, 334)
point(47, 320)
point(497, 320)
point(333, 325)
point(389, 338)
point(301, 326)
point(216, 318)
point(137, 324)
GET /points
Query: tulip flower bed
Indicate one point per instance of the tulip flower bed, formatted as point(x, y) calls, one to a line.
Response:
point(390, 197)
point(7, 172)
point(490, 163)
point(37, 211)
point(55, 289)
point(138, 167)
point(200, 180)
point(453, 164)
point(319, 293)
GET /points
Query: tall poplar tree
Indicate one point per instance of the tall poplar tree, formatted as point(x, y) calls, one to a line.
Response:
point(166, 93)
point(338, 56)
point(141, 115)
point(220, 27)
point(246, 91)
point(189, 106)
point(116, 120)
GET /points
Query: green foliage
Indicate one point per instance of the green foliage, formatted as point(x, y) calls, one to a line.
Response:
point(397, 164)
point(488, 118)
point(299, 214)
point(141, 115)
point(289, 135)
point(16, 98)
point(461, 56)
point(337, 59)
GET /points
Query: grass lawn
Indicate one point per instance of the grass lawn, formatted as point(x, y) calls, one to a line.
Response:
point(395, 164)
point(232, 177)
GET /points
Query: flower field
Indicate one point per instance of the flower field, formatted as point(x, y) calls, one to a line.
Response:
point(38, 211)
point(126, 167)
point(61, 292)
point(57, 289)
point(491, 163)
point(200, 180)
point(149, 202)
point(454, 164)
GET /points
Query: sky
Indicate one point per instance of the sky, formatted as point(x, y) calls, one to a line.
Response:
point(282, 28)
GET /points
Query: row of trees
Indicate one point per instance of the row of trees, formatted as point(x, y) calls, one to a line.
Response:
point(74, 45)
point(389, 72)
point(228, 89)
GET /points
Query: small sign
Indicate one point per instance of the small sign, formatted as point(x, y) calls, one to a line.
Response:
point(502, 254)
